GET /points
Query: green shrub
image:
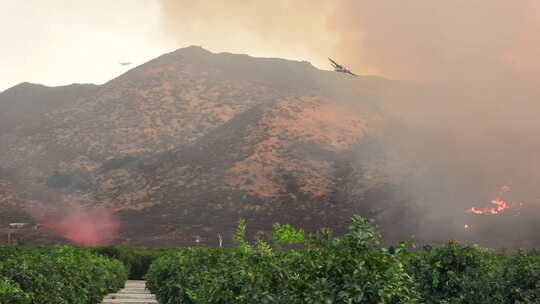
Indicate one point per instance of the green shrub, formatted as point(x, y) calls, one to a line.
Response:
point(350, 269)
point(11, 293)
point(522, 278)
point(59, 274)
point(457, 273)
point(287, 234)
point(136, 259)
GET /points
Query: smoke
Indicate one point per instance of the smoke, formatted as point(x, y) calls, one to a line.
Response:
point(88, 226)
point(279, 28)
point(466, 128)
point(473, 41)
point(451, 149)
point(420, 40)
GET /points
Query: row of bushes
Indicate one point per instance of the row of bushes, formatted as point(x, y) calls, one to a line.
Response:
point(458, 273)
point(57, 275)
point(136, 259)
point(349, 269)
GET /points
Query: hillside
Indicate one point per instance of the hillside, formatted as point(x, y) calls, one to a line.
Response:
point(23, 107)
point(188, 143)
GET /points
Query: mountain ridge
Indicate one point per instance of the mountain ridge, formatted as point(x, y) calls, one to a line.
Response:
point(191, 141)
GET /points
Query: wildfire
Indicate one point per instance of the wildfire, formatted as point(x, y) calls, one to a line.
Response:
point(499, 204)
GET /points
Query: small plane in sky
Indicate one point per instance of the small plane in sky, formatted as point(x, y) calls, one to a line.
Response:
point(339, 68)
point(124, 63)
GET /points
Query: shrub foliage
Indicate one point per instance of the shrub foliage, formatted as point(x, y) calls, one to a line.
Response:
point(352, 268)
point(56, 274)
point(136, 259)
point(349, 269)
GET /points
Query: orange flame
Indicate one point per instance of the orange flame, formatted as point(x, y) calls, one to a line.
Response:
point(500, 205)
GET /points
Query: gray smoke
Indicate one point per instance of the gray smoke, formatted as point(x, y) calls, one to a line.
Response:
point(469, 125)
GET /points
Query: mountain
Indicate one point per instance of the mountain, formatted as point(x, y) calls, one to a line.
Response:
point(23, 107)
point(192, 141)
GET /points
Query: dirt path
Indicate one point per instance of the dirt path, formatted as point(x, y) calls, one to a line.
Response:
point(134, 292)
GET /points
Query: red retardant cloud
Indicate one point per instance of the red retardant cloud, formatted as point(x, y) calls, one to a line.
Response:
point(81, 225)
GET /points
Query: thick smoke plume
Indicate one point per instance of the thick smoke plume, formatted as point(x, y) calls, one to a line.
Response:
point(422, 40)
point(467, 127)
point(81, 225)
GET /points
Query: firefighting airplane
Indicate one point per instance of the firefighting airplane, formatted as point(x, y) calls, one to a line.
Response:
point(339, 68)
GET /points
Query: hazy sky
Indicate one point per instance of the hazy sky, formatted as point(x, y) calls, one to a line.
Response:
point(57, 42)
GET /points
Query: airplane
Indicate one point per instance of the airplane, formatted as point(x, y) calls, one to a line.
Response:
point(124, 63)
point(339, 68)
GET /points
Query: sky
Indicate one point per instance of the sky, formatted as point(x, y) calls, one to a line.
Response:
point(59, 42)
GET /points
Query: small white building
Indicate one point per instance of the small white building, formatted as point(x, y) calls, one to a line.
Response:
point(18, 225)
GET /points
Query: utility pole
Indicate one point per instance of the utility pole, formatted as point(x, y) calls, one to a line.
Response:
point(220, 240)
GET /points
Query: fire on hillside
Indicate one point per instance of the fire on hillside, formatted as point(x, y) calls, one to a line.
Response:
point(499, 205)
